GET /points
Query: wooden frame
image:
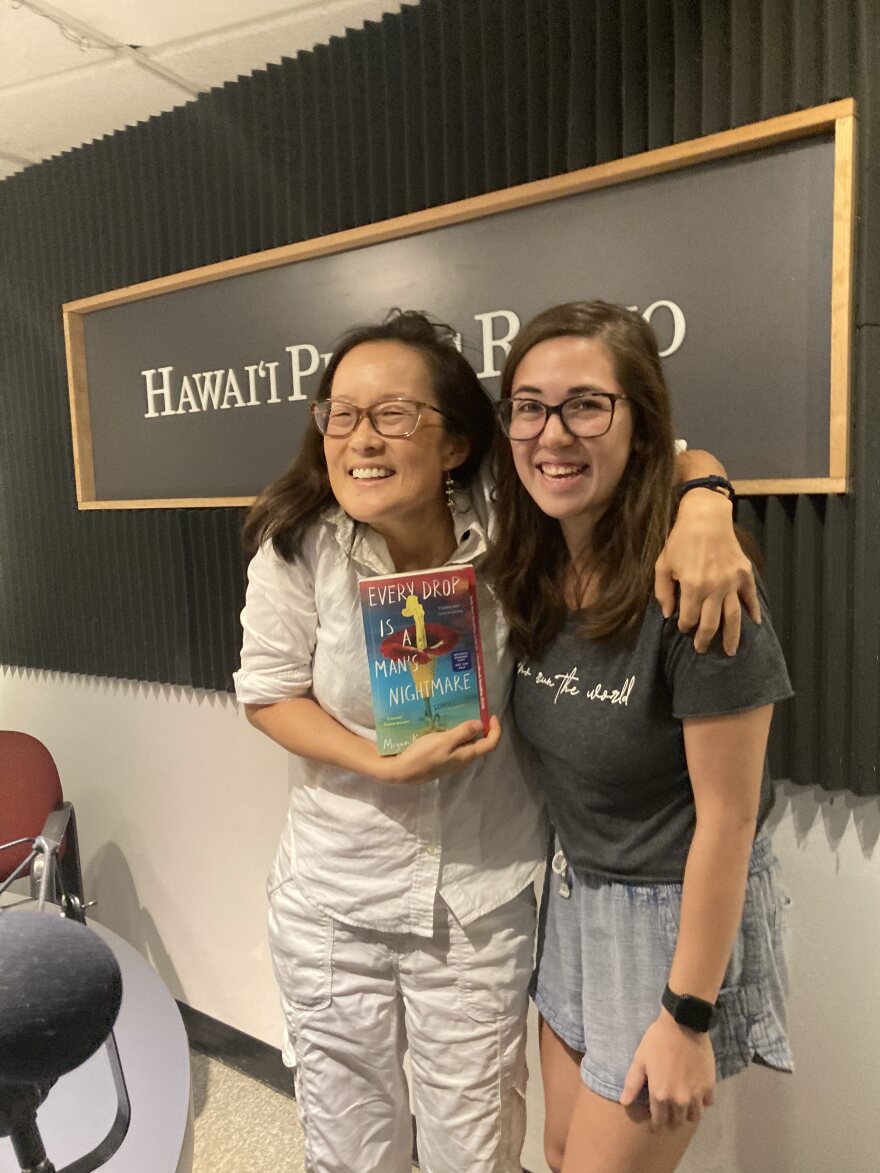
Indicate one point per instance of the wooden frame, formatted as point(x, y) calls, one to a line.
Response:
point(839, 117)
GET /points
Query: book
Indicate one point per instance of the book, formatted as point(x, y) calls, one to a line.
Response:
point(426, 658)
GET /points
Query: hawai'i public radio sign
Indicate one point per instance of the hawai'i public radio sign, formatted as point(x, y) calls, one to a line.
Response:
point(737, 247)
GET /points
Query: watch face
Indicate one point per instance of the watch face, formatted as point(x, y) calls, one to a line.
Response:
point(694, 1013)
point(689, 1011)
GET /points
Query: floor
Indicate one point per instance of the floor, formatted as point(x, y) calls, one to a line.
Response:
point(242, 1126)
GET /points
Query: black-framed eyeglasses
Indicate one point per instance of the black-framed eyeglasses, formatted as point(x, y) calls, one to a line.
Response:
point(392, 418)
point(585, 416)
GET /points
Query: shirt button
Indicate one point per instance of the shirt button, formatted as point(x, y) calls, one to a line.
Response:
point(432, 849)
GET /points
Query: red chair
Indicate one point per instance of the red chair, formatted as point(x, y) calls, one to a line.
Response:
point(37, 827)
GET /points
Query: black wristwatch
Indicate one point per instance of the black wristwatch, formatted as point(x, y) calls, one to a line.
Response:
point(694, 1013)
point(715, 483)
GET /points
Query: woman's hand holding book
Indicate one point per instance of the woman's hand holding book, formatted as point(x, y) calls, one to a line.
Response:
point(435, 754)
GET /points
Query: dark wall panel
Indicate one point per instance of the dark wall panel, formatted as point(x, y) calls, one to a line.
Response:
point(442, 101)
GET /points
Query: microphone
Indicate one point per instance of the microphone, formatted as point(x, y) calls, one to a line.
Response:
point(60, 992)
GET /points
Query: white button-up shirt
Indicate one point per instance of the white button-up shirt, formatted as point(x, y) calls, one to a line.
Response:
point(368, 853)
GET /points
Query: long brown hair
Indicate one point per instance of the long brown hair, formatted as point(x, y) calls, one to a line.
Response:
point(285, 509)
point(530, 562)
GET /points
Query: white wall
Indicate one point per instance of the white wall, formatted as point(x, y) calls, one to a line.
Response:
point(180, 804)
point(825, 1118)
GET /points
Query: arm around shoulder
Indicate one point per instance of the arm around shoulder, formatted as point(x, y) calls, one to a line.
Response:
point(704, 560)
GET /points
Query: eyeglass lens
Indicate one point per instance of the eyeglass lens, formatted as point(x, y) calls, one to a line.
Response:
point(583, 415)
point(395, 418)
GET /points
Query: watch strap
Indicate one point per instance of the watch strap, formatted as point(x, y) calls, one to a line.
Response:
point(715, 483)
point(695, 1013)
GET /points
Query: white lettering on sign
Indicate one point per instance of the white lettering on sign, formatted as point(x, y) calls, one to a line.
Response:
point(299, 369)
point(491, 342)
point(678, 324)
point(153, 392)
point(256, 384)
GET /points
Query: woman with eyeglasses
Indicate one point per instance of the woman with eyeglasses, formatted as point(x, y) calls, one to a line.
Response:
point(660, 959)
point(401, 899)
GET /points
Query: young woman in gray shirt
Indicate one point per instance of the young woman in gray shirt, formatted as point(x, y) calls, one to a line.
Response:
point(660, 961)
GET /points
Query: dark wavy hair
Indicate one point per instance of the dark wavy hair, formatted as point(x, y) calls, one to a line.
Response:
point(284, 509)
point(530, 562)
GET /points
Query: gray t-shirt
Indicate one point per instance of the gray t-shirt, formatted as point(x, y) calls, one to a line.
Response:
point(605, 719)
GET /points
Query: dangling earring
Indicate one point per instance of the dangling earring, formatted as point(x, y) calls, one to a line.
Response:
point(449, 486)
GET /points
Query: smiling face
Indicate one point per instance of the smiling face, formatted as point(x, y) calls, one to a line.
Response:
point(569, 478)
point(394, 484)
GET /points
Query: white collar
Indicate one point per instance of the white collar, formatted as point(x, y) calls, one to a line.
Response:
point(366, 546)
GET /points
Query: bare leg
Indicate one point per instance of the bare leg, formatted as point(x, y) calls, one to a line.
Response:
point(605, 1137)
point(560, 1073)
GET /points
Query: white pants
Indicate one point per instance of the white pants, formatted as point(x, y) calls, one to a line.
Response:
point(355, 999)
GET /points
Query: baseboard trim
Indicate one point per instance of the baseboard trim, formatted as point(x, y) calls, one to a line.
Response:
point(236, 1049)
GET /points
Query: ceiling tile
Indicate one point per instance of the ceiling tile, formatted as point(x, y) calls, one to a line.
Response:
point(55, 96)
point(132, 22)
point(224, 55)
point(7, 169)
point(76, 107)
point(32, 47)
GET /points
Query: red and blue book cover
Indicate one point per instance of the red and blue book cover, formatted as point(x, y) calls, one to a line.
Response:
point(426, 658)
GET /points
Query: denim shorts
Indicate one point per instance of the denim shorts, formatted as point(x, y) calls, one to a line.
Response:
point(604, 954)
